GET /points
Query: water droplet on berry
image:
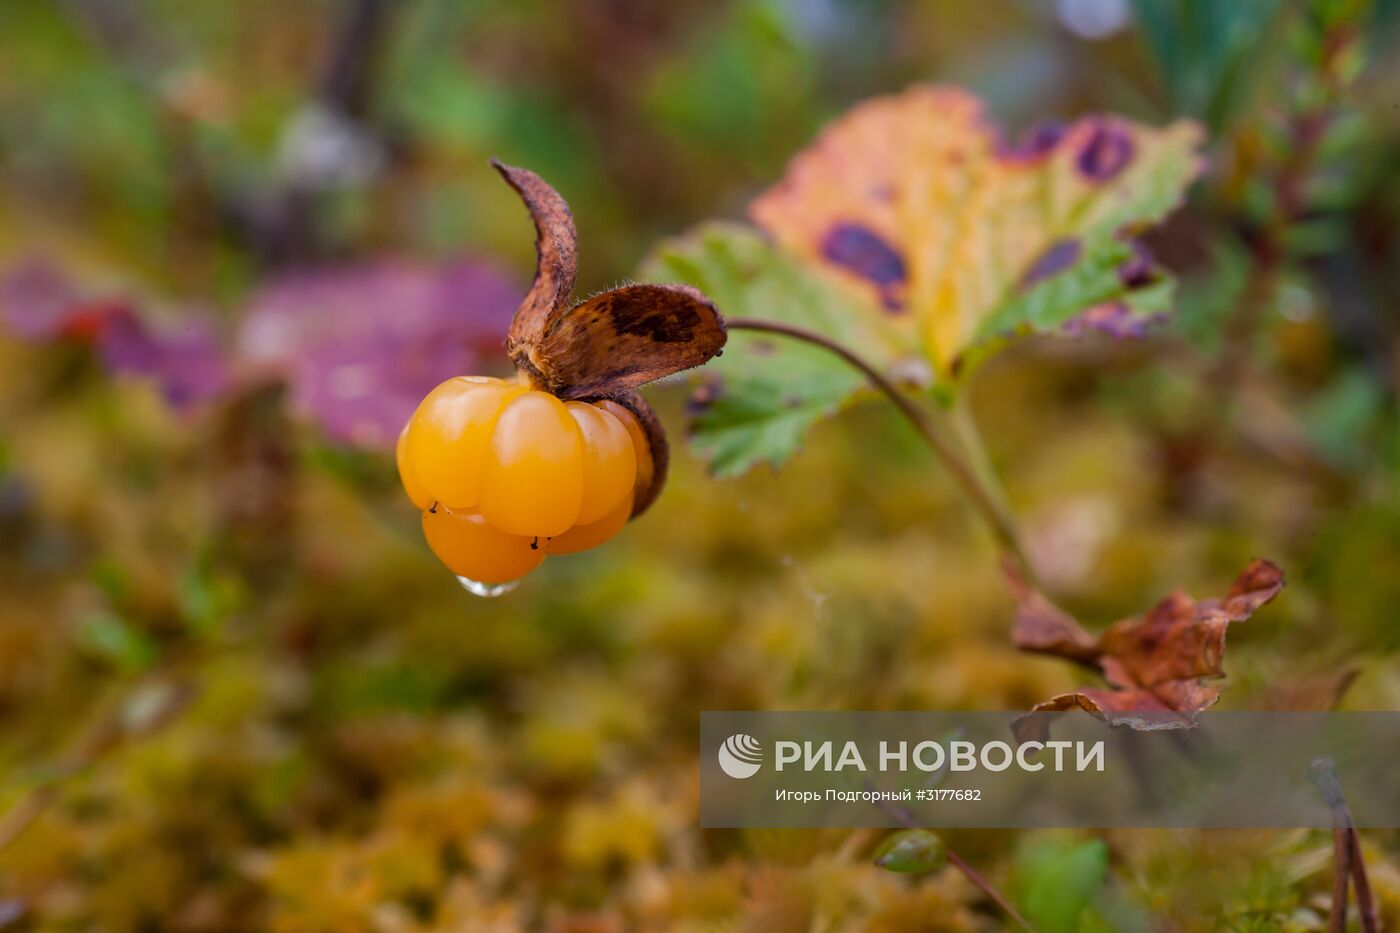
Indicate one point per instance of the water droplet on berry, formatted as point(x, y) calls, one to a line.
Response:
point(487, 590)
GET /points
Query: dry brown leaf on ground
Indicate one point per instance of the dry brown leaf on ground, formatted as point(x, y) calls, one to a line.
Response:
point(1161, 662)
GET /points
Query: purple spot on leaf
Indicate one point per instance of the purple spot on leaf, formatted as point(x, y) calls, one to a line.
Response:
point(1140, 269)
point(1035, 142)
point(1114, 318)
point(708, 392)
point(1058, 257)
point(862, 251)
point(1107, 152)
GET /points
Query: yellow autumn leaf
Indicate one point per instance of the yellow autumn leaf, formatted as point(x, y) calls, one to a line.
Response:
point(918, 202)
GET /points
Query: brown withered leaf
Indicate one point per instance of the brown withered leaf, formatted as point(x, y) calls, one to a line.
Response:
point(1158, 665)
point(613, 341)
point(556, 251)
point(627, 337)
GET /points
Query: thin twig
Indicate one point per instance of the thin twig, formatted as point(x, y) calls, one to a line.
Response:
point(1341, 870)
point(1365, 899)
point(907, 820)
point(1347, 862)
point(987, 888)
point(986, 503)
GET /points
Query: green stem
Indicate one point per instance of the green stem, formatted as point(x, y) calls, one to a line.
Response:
point(979, 461)
point(987, 499)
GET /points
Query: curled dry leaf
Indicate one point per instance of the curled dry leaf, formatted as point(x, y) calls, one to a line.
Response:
point(1158, 664)
point(556, 256)
point(616, 340)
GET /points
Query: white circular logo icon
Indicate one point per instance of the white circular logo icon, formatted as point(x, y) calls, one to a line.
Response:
point(740, 756)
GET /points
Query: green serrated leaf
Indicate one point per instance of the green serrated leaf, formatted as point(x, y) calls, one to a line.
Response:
point(754, 419)
point(766, 391)
point(1092, 279)
point(912, 852)
point(1144, 194)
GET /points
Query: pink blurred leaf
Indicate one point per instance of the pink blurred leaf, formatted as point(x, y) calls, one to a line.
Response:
point(40, 302)
point(359, 346)
point(186, 359)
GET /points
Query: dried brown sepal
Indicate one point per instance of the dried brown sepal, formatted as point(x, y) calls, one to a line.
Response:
point(656, 440)
point(616, 340)
point(625, 338)
point(1155, 664)
point(556, 250)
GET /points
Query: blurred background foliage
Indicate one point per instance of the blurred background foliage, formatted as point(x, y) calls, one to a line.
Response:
point(238, 692)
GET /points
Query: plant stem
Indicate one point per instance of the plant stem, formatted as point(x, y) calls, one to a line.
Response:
point(1341, 868)
point(979, 461)
point(1346, 853)
point(906, 819)
point(986, 887)
point(985, 496)
point(1365, 899)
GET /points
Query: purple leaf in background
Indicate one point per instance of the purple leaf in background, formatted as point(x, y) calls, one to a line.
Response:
point(186, 359)
point(41, 303)
point(359, 346)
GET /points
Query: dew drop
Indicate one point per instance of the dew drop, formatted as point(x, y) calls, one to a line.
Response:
point(487, 590)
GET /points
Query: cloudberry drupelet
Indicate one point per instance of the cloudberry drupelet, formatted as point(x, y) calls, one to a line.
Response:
point(506, 474)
